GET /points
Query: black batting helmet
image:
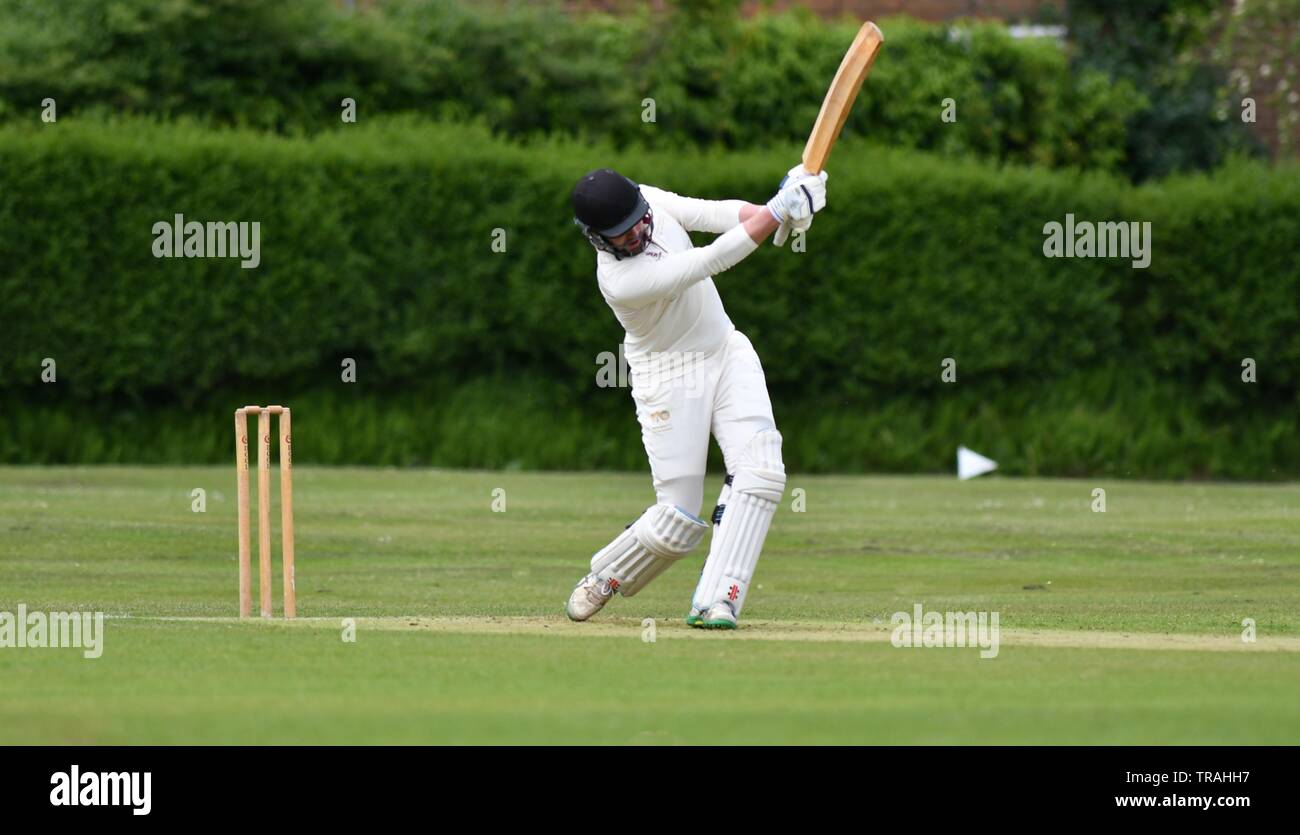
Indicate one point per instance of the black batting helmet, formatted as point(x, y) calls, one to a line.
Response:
point(605, 205)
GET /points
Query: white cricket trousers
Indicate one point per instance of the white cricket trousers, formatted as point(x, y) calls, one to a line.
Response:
point(725, 394)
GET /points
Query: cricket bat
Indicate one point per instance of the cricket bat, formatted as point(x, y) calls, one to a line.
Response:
point(835, 107)
point(839, 98)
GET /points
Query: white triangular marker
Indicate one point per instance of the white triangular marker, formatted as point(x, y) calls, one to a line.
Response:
point(971, 464)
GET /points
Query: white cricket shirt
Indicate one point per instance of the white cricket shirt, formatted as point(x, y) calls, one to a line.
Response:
point(664, 297)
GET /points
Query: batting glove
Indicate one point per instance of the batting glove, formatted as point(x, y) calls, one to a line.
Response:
point(801, 195)
point(783, 231)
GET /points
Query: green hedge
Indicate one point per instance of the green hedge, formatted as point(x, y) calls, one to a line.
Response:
point(376, 245)
point(528, 70)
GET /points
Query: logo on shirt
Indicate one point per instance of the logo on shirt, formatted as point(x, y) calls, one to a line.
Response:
point(658, 421)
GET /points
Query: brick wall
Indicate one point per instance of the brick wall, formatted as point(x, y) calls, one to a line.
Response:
point(1013, 11)
point(1009, 10)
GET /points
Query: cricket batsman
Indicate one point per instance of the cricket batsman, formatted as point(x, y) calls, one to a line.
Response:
point(692, 373)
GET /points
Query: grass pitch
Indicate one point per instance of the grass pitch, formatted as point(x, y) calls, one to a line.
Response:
point(1117, 627)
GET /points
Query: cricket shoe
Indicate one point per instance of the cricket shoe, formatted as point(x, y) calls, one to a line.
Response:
point(719, 616)
point(695, 618)
point(589, 597)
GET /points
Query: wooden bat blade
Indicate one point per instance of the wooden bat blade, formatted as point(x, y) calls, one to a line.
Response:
point(839, 98)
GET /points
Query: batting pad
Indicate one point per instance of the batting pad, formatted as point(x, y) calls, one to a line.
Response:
point(661, 536)
point(756, 491)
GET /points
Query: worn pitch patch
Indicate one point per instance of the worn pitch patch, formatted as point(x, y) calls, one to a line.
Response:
point(756, 630)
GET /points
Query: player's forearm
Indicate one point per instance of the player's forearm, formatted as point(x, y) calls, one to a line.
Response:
point(758, 222)
point(726, 251)
point(643, 281)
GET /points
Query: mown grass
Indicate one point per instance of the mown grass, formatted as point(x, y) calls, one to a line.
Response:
point(1185, 559)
